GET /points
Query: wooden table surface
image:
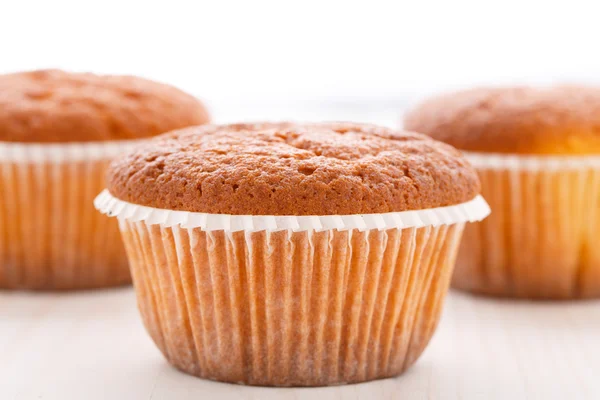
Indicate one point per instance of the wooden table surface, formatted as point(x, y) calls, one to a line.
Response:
point(91, 345)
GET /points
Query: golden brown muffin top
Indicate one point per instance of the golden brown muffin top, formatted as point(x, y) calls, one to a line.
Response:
point(293, 169)
point(56, 106)
point(523, 120)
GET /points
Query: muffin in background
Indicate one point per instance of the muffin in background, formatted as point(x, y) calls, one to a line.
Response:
point(58, 131)
point(537, 151)
point(292, 254)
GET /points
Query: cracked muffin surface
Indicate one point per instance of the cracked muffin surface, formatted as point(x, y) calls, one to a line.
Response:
point(53, 106)
point(293, 169)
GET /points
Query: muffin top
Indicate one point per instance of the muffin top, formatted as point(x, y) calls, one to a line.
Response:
point(560, 120)
point(55, 106)
point(293, 169)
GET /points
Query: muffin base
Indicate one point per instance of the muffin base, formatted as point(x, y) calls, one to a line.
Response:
point(291, 308)
point(540, 242)
point(51, 238)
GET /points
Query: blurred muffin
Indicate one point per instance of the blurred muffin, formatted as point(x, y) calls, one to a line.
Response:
point(291, 255)
point(58, 131)
point(537, 151)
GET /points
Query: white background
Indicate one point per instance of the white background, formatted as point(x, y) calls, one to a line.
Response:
point(320, 60)
point(92, 346)
point(308, 59)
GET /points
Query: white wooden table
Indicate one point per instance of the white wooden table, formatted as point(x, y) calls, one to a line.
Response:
point(92, 346)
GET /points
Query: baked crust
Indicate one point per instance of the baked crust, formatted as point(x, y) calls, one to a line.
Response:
point(55, 106)
point(522, 120)
point(293, 169)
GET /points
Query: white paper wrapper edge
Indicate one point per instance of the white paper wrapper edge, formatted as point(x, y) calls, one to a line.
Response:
point(516, 162)
point(470, 211)
point(64, 152)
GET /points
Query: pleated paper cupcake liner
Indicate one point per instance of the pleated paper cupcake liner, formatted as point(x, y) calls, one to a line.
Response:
point(470, 211)
point(279, 306)
point(50, 235)
point(57, 153)
point(541, 239)
point(514, 162)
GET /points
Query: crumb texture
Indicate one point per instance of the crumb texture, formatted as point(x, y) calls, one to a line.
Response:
point(522, 120)
point(293, 169)
point(48, 106)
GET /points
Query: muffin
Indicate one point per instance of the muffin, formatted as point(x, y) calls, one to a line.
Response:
point(58, 131)
point(292, 255)
point(537, 151)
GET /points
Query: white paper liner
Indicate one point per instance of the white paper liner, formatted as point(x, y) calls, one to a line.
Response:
point(471, 211)
point(531, 162)
point(51, 237)
point(541, 240)
point(64, 152)
point(291, 308)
